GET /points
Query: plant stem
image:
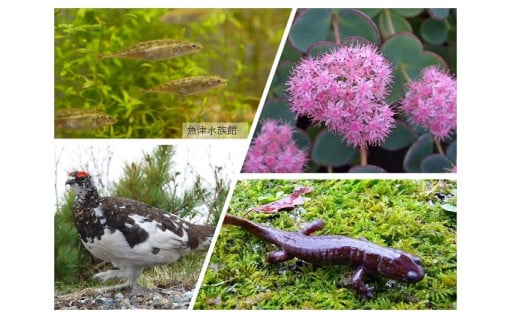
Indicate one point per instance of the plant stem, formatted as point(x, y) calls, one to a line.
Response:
point(438, 146)
point(404, 73)
point(335, 28)
point(364, 156)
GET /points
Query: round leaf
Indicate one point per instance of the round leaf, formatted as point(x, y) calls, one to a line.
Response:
point(408, 12)
point(357, 23)
point(302, 139)
point(310, 26)
point(371, 12)
point(434, 31)
point(406, 53)
point(400, 137)
point(366, 169)
point(451, 152)
point(421, 148)
point(278, 87)
point(439, 14)
point(448, 207)
point(391, 23)
point(435, 163)
point(330, 150)
point(277, 109)
point(319, 48)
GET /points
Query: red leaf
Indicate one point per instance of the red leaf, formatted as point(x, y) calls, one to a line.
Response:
point(284, 203)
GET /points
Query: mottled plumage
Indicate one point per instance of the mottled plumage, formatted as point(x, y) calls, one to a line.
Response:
point(131, 234)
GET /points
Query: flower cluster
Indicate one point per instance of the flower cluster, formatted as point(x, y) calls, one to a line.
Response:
point(274, 150)
point(431, 101)
point(345, 89)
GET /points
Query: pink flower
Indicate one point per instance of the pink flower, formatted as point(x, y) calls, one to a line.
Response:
point(274, 150)
point(431, 101)
point(345, 89)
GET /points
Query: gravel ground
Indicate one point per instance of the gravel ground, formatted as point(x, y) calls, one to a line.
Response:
point(178, 298)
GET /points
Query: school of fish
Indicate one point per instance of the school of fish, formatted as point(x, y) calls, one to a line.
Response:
point(154, 50)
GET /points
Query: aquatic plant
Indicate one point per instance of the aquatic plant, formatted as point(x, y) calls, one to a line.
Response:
point(238, 45)
point(409, 40)
point(274, 150)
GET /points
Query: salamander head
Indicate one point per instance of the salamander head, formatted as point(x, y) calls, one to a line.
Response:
point(403, 267)
point(408, 268)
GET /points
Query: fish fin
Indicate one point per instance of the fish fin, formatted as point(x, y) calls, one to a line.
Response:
point(136, 91)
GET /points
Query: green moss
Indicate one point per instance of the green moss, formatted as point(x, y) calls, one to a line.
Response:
point(238, 45)
point(404, 214)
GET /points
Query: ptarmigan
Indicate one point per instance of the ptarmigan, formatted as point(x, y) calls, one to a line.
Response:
point(130, 234)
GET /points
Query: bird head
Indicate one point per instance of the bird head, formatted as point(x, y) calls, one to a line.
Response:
point(80, 182)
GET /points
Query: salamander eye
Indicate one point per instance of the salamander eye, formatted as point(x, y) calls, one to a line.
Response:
point(417, 260)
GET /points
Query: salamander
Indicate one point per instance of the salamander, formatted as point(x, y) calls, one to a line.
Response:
point(366, 257)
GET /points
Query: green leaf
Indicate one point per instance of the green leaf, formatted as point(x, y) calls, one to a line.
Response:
point(434, 31)
point(408, 13)
point(439, 14)
point(277, 109)
point(330, 150)
point(366, 169)
point(371, 12)
point(435, 163)
point(310, 26)
point(278, 87)
point(400, 137)
point(302, 139)
point(451, 152)
point(319, 48)
point(449, 207)
point(315, 25)
point(406, 53)
point(391, 23)
point(355, 23)
point(421, 148)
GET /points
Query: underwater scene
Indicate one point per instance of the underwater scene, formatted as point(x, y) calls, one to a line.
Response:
point(147, 73)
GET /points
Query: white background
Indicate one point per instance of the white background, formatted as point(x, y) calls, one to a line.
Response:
point(483, 175)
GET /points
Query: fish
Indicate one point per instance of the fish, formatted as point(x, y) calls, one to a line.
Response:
point(188, 85)
point(186, 16)
point(82, 119)
point(157, 50)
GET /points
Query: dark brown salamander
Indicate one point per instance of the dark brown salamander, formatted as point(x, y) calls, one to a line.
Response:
point(367, 257)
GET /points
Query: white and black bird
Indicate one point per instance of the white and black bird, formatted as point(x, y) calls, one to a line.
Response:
point(130, 234)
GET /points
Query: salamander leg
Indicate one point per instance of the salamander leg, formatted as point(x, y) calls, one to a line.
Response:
point(314, 226)
point(357, 282)
point(278, 257)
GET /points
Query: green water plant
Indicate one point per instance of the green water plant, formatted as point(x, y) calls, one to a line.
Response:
point(237, 45)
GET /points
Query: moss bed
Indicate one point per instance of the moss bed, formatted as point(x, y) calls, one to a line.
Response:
point(417, 216)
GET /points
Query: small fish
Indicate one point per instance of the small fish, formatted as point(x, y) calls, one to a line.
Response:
point(157, 50)
point(81, 119)
point(186, 16)
point(188, 85)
